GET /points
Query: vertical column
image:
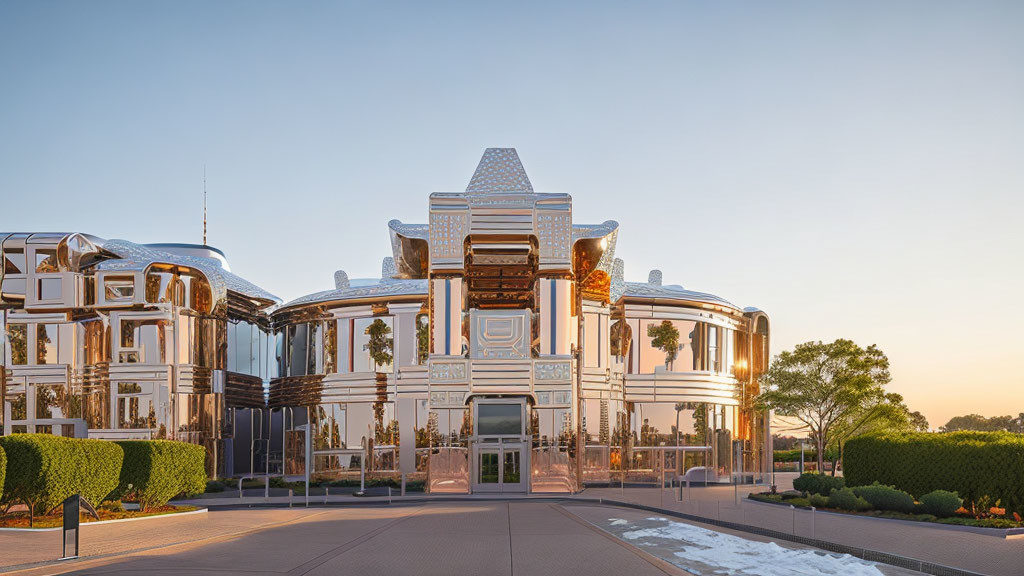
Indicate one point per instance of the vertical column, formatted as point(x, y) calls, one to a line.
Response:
point(404, 333)
point(555, 316)
point(447, 318)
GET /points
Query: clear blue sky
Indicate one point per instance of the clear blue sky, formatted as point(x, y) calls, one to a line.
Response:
point(856, 170)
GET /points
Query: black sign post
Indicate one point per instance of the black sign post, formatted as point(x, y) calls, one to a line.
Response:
point(72, 505)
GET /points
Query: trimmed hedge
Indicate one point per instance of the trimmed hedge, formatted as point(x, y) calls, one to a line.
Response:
point(155, 471)
point(976, 465)
point(816, 483)
point(43, 470)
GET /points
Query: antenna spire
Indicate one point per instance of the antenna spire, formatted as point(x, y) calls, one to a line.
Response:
point(204, 204)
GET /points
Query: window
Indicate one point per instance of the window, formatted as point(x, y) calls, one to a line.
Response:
point(297, 343)
point(331, 427)
point(372, 345)
point(14, 261)
point(19, 407)
point(46, 261)
point(49, 288)
point(17, 336)
point(50, 401)
point(46, 343)
point(143, 341)
point(119, 288)
point(135, 405)
point(422, 338)
point(714, 355)
point(499, 419)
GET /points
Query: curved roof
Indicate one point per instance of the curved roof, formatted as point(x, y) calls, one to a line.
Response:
point(644, 290)
point(137, 257)
point(384, 288)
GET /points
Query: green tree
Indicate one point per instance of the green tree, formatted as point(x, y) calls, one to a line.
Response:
point(879, 413)
point(978, 423)
point(918, 423)
point(826, 387)
point(666, 338)
point(380, 346)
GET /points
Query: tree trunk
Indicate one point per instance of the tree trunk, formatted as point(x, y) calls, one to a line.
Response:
point(821, 454)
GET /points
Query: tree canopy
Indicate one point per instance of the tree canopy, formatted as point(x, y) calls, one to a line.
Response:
point(980, 423)
point(836, 390)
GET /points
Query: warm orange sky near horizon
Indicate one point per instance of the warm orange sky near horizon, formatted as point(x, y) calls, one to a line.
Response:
point(853, 170)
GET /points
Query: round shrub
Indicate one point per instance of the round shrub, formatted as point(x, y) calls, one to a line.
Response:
point(817, 483)
point(845, 499)
point(886, 498)
point(941, 503)
point(819, 501)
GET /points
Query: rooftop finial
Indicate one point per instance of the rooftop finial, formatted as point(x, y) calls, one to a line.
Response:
point(204, 204)
point(340, 280)
point(654, 278)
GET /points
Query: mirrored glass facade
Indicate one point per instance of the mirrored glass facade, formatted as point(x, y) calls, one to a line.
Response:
point(501, 350)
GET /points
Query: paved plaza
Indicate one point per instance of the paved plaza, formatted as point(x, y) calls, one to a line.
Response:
point(475, 535)
point(486, 537)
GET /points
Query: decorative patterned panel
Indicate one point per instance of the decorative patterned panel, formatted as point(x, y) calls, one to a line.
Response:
point(447, 232)
point(554, 232)
point(550, 372)
point(447, 371)
point(500, 334)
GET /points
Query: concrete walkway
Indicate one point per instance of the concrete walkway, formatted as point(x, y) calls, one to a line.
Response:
point(460, 538)
point(939, 544)
point(499, 538)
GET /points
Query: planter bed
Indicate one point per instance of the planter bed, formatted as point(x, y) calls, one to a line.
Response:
point(20, 520)
point(1005, 527)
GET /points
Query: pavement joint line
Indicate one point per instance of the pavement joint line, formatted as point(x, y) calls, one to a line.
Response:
point(511, 555)
point(326, 557)
point(660, 564)
point(83, 562)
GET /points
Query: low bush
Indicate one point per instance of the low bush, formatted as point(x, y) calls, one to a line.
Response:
point(155, 471)
point(886, 498)
point(111, 506)
point(846, 499)
point(43, 470)
point(214, 486)
point(941, 503)
point(979, 466)
point(816, 483)
point(818, 501)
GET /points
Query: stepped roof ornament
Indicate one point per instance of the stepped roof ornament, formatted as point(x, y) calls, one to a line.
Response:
point(499, 170)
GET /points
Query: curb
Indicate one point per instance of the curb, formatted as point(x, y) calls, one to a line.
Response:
point(116, 521)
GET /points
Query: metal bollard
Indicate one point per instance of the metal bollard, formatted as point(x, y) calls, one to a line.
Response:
point(327, 493)
point(793, 508)
point(812, 522)
point(389, 494)
point(290, 494)
point(266, 487)
point(240, 488)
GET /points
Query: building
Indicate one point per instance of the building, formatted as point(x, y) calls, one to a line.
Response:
point(501, 350)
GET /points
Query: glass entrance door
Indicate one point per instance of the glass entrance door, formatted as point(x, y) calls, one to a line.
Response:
point(499, 468)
